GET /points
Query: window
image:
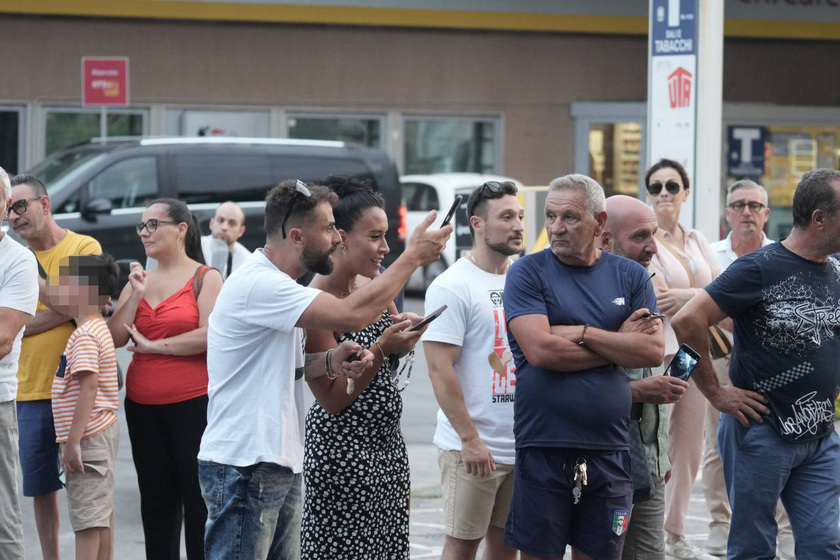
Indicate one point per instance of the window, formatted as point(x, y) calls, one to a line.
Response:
point(363, 131)
point(128, 183)
point(217, 177)
point(614, 156)
point(193, 122)
point(11, 139)
point(65, 127)
point(420, 197)
point(443, 145)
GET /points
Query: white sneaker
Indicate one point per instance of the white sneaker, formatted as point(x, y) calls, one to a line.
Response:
point(716, 543)
point(683, 550)
point(785, 548)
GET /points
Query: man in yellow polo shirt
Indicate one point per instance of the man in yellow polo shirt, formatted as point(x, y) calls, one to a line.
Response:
point(44, 340)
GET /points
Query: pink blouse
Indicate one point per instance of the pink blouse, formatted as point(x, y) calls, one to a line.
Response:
point(700, 259)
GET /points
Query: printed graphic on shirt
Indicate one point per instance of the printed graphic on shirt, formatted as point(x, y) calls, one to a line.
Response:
point(501, 359)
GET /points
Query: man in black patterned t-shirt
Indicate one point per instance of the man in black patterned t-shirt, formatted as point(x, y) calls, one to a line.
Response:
point(784, 300)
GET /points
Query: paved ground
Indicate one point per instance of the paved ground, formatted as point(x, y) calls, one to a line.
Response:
point(419, 409)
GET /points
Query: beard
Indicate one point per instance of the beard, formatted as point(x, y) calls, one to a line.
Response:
point(619, 250)
point(504, 248)
point(319, 263)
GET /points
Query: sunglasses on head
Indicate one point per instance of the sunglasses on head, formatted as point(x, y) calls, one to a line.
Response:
point(671, 186)
point(300, 189)
point(493, 187)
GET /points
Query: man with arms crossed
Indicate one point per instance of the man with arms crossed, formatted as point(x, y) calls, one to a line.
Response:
point(631, 226)
point(747, 211)
point(251, 454)
point(782, 299)
point(473, 377)
point(577, 316)
point(44, 341)
point(18, 298)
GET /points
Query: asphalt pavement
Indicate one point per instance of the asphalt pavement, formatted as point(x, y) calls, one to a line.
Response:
point(426, 520)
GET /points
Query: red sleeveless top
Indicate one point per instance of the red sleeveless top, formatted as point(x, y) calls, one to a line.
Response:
point(162, 379)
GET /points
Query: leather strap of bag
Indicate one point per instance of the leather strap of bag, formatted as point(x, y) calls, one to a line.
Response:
point(198, 280)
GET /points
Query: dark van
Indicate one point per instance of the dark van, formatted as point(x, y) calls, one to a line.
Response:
point(101, 189)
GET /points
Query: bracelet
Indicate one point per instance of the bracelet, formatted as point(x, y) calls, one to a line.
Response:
point(381, 351)
point(331, 375)
point(583, 334)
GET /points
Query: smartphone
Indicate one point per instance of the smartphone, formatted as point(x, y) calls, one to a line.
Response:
point(355, 357)
point(683, 363)
point(452, 209)
point(428, 318)
point(653, 316)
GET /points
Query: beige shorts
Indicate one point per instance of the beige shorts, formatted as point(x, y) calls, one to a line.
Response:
point(90, 495)
point(471, 503)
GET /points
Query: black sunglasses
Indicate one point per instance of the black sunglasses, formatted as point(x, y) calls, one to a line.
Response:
point(671, 186)
point(493, 187)
point(152, 225)
point(300, 188)
point(20, 206)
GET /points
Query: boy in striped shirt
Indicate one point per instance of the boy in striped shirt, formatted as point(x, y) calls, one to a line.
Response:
point(85, 396)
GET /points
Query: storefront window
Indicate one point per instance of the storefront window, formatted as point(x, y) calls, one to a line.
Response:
point(444, 145)
point(789, 152)
point(191, 122)
point(614, 154)
point(66, 127)
point(362, 131)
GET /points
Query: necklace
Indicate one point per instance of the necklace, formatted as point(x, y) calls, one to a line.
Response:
point(472, 258)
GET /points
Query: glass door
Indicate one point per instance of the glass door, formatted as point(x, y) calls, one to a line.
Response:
point(610, 145)
point(11, 139)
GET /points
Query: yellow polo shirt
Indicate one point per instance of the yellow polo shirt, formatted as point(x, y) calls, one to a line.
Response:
point(40, 353)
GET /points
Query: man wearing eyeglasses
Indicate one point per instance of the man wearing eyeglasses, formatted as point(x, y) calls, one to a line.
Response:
point(747, 212)
point(18, 297)
point(577, 316)
point(251, 456)
point(44, 341)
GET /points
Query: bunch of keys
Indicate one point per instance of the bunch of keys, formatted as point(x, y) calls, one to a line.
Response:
point(580, 479)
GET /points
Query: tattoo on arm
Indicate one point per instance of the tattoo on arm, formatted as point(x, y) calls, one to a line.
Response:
point(311, 357)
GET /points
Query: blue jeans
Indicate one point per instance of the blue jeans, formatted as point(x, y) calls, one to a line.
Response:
point(759, 467)
point(253, 513)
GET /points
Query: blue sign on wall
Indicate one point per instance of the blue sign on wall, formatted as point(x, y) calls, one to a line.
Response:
point(746, 151)
point(673, 27)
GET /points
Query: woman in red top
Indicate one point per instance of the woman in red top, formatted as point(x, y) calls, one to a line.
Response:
point(164, 312)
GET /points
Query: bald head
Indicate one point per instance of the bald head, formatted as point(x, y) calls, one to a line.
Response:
point(631, 226)
point(229, 223)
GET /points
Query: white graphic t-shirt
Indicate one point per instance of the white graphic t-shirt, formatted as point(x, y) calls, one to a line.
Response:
point(475, 320)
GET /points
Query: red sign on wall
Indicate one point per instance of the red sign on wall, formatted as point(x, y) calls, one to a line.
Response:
point(679, 88)
point(105, 80)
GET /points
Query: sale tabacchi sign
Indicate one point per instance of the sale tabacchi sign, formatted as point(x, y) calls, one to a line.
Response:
point(105, 81)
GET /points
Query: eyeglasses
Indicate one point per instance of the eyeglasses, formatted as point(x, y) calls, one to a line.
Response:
point(300, 188)
point(738, 206)
point(493, 187)
point(671, 186)
point(152, 225)
point(20, 206)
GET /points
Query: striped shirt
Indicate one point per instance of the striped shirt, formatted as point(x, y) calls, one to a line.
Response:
point(89, 349)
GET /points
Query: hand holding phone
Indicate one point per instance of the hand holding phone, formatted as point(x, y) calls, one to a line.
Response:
point(683, 362)
point(455, 204)
point(428, 319)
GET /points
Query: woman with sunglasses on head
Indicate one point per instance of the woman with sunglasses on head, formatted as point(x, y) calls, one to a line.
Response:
point(355, 461)
point(164, 313)
point(684, 263)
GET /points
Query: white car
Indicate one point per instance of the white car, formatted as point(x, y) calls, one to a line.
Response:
point(422, 193)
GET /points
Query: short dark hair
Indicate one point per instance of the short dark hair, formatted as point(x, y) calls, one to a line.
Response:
point(355, 196)
point(95, 270)
point(278, 199)
point(815, 192)
point(668, 163)
point(479, 205)
point(38, 187)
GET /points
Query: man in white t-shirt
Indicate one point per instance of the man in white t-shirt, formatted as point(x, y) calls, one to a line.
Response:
point(747, 211)
point(18, 298)
point(474, 380)
point(251, 455)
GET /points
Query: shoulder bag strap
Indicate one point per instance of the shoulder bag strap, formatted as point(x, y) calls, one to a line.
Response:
point(41, 272)
point(679, 258)
point(198, 280)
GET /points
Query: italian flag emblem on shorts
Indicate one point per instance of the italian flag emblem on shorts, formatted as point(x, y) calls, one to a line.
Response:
point(621, 519)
